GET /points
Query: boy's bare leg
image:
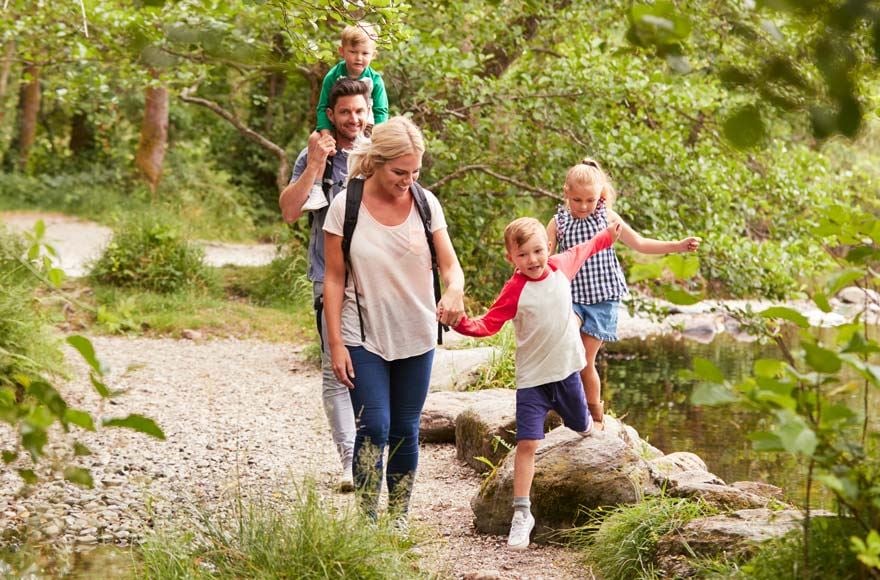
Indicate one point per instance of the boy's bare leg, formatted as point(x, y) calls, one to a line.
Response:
point(590, 379)
point(524, 467)
point(523, 472)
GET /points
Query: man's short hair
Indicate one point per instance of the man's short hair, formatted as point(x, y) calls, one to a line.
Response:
point(521, 230)
point(346, 87)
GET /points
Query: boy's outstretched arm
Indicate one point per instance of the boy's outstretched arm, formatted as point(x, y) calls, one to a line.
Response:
point(500, 312)
point(637, 242)
point(572, 259)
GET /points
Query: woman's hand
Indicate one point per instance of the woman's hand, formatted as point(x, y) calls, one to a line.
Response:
point(340, 359)
point(450, 309)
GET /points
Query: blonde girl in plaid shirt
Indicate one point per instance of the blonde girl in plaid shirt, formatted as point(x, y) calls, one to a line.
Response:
point(600, 283)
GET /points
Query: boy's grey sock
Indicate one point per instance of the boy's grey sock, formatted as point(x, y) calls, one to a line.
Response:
point(522, 504)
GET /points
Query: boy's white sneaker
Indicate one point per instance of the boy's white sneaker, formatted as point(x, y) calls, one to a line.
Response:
point(316, 199)
point(521, 527)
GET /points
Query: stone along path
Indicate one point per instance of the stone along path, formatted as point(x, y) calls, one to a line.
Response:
point(242, 418)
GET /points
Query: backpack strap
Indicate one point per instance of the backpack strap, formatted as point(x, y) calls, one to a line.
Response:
point(425, 213)
point(326, 184)
point(353, 195)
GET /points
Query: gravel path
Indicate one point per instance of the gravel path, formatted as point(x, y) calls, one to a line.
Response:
point(240, 417)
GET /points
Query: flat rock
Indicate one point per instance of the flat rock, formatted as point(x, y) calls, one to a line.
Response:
point(734, 535)
point(456, 370)
point(443, 407)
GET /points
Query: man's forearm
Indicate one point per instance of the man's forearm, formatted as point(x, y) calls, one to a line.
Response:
point(293, 197)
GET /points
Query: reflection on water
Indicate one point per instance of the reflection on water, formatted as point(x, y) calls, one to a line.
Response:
point(641, 383)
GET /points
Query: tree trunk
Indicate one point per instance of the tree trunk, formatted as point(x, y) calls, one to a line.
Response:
point(275, 83)
point(5, 69)
point(154, 135)
point(29, 107)
point(82, 135)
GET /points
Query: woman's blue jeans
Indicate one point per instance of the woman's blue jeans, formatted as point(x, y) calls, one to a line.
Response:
point(387, 399)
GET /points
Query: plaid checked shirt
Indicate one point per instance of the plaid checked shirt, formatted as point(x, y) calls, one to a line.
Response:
point(601, 277)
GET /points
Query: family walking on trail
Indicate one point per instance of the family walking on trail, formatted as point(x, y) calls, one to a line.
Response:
point(385, 275)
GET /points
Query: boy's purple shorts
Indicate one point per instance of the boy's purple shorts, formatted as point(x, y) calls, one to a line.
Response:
point(566, 397)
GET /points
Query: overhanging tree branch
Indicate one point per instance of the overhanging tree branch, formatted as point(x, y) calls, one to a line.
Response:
point(283, 174)
point(536, 191)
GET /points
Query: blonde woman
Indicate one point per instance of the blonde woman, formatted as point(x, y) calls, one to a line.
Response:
point(381, 308)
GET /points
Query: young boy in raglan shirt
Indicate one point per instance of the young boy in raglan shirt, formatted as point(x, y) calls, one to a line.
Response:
point(549, 352)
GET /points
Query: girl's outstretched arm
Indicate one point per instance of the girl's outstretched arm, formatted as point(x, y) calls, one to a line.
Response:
point(637, 242)
point(551, 234)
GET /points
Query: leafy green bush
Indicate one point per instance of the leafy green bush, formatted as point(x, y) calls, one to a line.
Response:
point(191, 187)
point(26, 347)
point(310, 539)
point(151, 254)
point(622, 543)
point(97, 193)
point(203, 195)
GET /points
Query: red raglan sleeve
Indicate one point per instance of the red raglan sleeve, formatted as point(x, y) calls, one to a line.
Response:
point(571, 260)
point(500, 312)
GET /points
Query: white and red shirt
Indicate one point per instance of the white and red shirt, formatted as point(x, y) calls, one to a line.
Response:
point(548, 343)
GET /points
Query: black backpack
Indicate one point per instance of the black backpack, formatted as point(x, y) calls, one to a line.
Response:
point(353, 196)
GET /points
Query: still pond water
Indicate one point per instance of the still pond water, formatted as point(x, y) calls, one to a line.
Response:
point(642, 384)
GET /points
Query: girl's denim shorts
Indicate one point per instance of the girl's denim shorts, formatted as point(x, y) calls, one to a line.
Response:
point(599, 320)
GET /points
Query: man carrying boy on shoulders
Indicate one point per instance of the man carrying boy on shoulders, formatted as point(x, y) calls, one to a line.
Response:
point(325, 159)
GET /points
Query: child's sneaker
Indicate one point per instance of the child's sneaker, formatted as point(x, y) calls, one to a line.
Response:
point(520, 529)
point(316, 199)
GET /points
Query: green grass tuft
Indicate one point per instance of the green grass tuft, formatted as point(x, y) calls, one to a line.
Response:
point(500, 372)
point(310, 539)
point(622, 542)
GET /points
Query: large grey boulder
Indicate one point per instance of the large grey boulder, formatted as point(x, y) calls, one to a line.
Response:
point(487, 428)
point(735, 535)
point(571, 473)
point(685, 474)
point(443, 408)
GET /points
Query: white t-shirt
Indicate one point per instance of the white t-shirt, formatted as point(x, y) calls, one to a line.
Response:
point(392, 268)
point(548, 342)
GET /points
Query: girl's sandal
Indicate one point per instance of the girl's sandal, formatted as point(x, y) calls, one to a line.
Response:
point(597, 412)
